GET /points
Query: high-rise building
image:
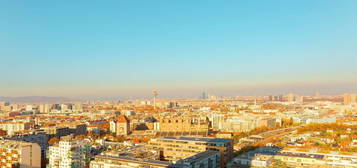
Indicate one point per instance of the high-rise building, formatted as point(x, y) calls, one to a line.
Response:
point(291, 97)
point(279, 98)
point(69, 153)
point(78, 107)
point(44, 108)
point(64, 107)
point(204, 96)
point(349, 99)
point(275, 98)
point(19, 154)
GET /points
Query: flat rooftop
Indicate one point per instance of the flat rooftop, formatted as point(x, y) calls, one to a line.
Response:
point(198, 139)
point(130, 159)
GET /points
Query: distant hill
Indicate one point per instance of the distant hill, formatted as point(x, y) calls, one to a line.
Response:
point(34, 99)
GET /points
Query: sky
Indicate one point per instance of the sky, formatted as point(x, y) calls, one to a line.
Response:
point(179, 47)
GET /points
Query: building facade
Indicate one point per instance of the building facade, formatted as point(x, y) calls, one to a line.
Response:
point(177, 148)
point(19, 154)
point(69, 153)
point(122, 126)
point(120, 162)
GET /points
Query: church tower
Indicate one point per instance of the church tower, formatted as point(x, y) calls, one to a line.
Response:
point(123, 126)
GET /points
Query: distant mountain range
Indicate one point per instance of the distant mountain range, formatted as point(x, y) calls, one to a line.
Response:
point(34, 99)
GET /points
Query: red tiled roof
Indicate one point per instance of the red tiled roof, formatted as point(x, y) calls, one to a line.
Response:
point(122, 119)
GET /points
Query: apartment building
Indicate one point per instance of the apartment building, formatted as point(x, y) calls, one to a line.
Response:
point(182, 125)
point(206, 159)
point(19, 154)
point(176, 148)
point(69, 153)
point(349, 99)
point(101, 161)
point(12, 127)
point(330, 159)
point(38, 138)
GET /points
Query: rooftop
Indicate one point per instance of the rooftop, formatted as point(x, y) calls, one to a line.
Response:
point(9, 144)
point(198, 139)
point(130, 159)
point(122, 119)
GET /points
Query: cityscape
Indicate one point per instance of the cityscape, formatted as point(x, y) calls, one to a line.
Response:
point(178, 84)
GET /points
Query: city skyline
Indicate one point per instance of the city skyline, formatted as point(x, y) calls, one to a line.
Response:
point(182, 48)
point(178, 84)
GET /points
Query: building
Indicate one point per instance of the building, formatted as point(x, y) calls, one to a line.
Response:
point(29, 107)
point(5, 106)
point(101, 161)
point(122, 126)
point(275, 98)
point(120, 159)
point(247, 123)
point(66, 129)
point(326, 159)
point(181, 126)
point(19, 154)
point(266, 122)
point(206, 159)
point(69, 153)
point(57, 131)
point(44, 108)
point(258, 160)
point(40, 139)
point(12, 127)
point(349, 99)
point(291, 97)
point(176, 148)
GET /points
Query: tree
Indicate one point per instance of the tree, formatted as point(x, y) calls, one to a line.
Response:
point(2, 132)
point(53, 140)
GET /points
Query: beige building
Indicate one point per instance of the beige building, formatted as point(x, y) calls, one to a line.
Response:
point(122, 126)
point(181, 125)
point(19, 154)
point(349, 99)
point(176, 148)
point(12, 127)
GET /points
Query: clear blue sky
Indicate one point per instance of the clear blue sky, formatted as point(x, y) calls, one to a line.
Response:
point(179, 47)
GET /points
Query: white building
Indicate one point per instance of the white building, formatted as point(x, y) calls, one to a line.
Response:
point(69, 153)
point(29, 107)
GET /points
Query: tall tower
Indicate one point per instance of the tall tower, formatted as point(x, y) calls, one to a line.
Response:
point(204, 96)
point(154, 94)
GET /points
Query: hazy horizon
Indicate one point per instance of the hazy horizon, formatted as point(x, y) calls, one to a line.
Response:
point(180, 48)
